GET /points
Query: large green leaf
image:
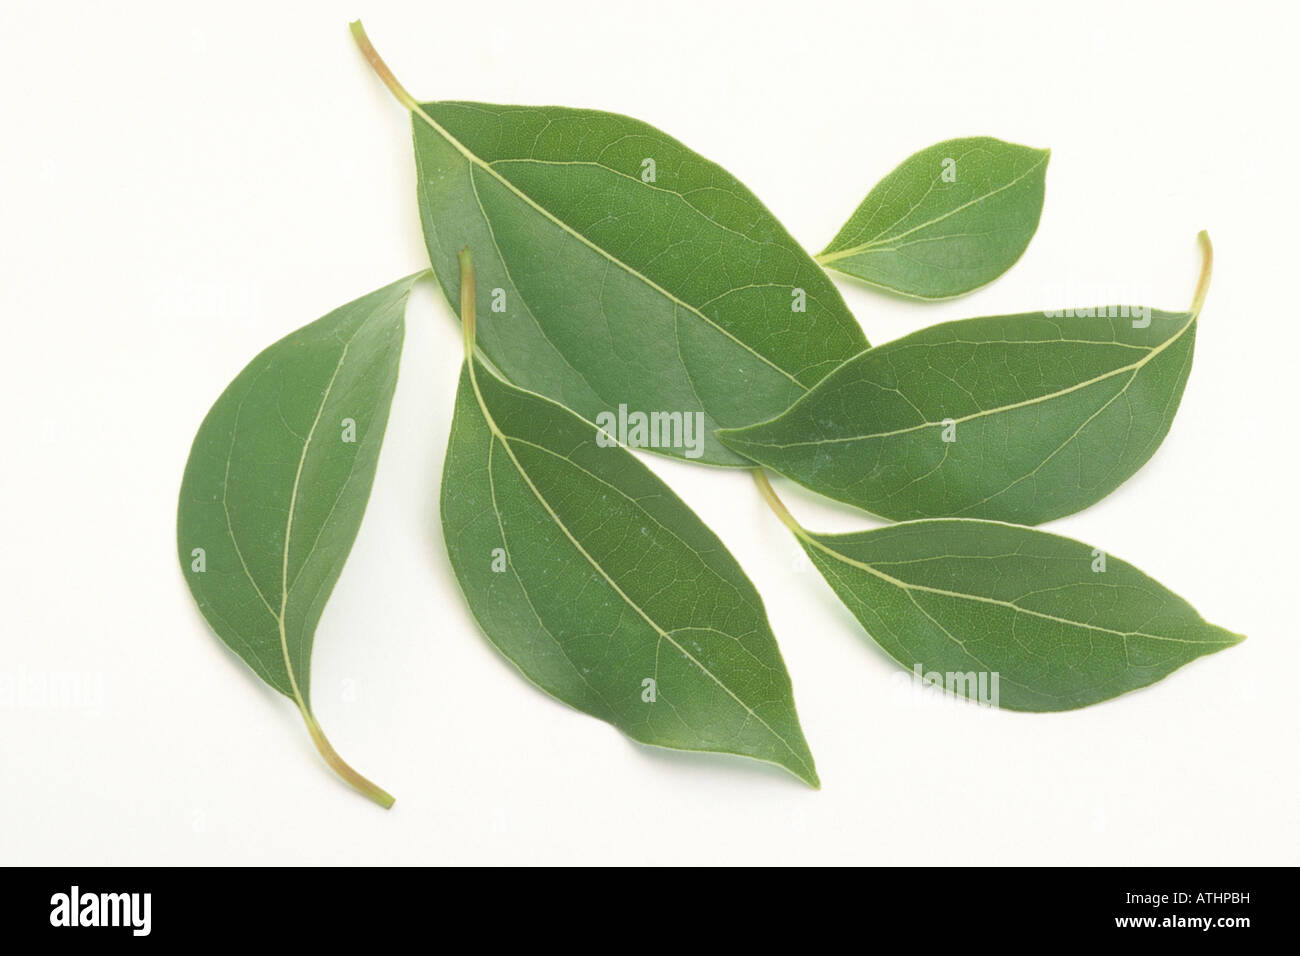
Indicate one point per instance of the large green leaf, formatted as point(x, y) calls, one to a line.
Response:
point(1061, 624)
point(1020, 418)
point(275, 487)
point(587, 572)
point(949, 219)
point(598, 288)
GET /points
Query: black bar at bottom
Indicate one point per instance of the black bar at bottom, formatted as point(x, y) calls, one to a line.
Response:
point(1223, 906)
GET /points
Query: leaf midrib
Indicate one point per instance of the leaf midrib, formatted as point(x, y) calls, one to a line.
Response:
point(477, 160)
point(288, 526)
point(947, 633)
point(1134, 367)
point(961, 595)
point(879, 238)
point(499, 435)
point(523, 589)
point(280, 616)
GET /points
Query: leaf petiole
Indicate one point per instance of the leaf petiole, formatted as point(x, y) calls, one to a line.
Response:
point(1207, 267)
point(467, 301)
point(380, 67)
point(778, 506)
point(359, 783)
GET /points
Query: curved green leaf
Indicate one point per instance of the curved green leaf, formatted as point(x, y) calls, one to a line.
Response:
point(1009, 615)
point(602, 586)
point(1019, 418)
point(618, 267)
point(275, 487)
point(949, 219)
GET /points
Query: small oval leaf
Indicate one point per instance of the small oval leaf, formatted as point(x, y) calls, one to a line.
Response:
point(276, 485)
point(1019, 418)
point(948, 220)
point(1036, 621)
point(603, 587)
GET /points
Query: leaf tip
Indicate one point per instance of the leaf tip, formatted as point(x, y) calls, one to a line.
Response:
point(800, 764)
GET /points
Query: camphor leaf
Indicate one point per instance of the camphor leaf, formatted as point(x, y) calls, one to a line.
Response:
point(276, 485)
point(950, 219)
point(606, 591)
point(621, 268)
point(1008, 615)
point(1019, 418)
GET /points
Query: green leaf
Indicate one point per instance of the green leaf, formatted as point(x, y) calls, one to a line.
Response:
point(949, 219)
point(276, 485)
point(1019, 418)
point(1061, 624)
point(601, 586)
point(598, 288)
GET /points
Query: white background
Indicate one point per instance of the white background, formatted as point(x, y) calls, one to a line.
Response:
point(183, 185)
